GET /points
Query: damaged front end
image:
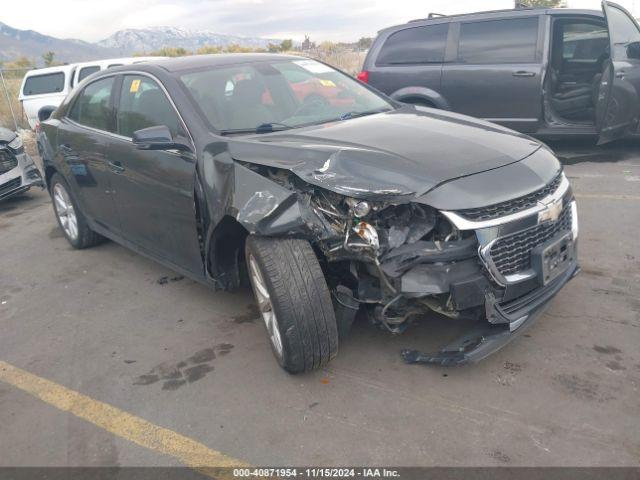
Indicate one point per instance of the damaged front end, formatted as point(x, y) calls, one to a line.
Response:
point(18, 172)
point(395, 257)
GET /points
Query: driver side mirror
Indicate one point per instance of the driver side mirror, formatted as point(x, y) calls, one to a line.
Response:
point(156, 138)
point(633, 50)
point(45, 112)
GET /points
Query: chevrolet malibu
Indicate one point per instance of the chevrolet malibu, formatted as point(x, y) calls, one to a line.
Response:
point(218, 167)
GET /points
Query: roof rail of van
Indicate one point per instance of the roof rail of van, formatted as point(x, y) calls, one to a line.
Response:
point(439, 15)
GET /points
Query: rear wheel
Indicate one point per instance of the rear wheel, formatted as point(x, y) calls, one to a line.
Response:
point(71, 220)
point(294, 301)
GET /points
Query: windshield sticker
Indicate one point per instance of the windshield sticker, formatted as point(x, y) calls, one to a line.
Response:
point(327, 83)
point(313, 66)
point(135, 85)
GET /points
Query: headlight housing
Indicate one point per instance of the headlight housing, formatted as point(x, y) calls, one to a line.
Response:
point(16, 144)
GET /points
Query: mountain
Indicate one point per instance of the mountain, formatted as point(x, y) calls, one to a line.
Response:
point(28, 43)
point(16, 43)
point(132, 41)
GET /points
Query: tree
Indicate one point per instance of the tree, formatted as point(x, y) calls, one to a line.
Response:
point(365, 43)
point(286, 45)
point(49, 58)
point(273, 48)
point(539, 3)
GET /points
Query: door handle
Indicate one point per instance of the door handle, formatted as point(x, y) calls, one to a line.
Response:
point(522, 73)
point(115, 166)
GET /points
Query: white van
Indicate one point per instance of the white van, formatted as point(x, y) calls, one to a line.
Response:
point(83, 70)
point(49, 86)
point(44, 86)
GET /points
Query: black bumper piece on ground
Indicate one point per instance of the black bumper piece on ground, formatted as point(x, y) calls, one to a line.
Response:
point(486, 338)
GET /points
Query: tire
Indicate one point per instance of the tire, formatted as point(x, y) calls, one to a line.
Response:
point(298, 305)
point(80, 236)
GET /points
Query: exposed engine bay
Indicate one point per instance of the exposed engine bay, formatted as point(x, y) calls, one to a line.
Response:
point(395, 258)
point(391, 257)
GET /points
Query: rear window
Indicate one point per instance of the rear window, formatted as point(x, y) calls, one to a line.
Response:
point(40, 84)
point(91, 107)
point(86, 71)
point(415, 45)
point(499, 41)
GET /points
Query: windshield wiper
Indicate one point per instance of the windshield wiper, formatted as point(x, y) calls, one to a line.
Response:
point(349, 115)
point(272, 127)
point(262, 128)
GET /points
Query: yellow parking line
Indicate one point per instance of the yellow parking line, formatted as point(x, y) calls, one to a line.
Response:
point(120, 423)
point(605, 196)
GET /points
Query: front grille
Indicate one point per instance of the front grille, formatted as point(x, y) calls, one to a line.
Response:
point(503, 209)
point(10, 185)
point(7, 161)
point(512, 253)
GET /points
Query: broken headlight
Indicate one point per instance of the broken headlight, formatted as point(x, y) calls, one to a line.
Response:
point(16, 144)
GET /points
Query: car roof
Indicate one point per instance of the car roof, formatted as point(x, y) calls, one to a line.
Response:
point(177, 64)
point(58, 68)
point(493, 14)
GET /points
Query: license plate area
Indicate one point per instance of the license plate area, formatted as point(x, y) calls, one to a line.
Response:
point(553, 257)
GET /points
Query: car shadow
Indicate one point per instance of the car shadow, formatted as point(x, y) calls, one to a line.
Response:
point(573, 151)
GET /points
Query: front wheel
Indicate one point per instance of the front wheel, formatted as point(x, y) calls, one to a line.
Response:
point(294, 301)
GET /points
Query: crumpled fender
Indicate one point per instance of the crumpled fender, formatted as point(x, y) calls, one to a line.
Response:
point(266, 208)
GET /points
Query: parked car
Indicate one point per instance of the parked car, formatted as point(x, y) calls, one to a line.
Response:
point(547, 72)
point(47, 87)
point(392, 209)
point(43, 87)
point(18, 173)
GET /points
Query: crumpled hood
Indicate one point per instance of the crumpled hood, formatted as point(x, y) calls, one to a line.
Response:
point(404, 152)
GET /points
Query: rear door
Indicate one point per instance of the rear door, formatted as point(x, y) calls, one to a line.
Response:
point(496, 72)
point(618, 103)
point(154, 189)
point(82, 137)
point(408, 66)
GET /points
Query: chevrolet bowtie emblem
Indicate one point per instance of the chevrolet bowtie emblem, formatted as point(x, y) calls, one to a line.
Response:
point(551, 212)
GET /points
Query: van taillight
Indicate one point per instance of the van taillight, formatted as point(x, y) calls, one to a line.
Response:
point(363, 76)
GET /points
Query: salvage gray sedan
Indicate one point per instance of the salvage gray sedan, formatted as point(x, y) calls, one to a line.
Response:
point(18, 173)
point(330, 198)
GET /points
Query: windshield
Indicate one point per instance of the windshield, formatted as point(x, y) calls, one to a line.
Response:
point(269, 96)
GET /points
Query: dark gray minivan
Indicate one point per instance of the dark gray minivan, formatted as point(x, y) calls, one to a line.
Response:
point(546, 72)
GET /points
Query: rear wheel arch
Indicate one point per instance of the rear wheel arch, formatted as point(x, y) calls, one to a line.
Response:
point(421, 96)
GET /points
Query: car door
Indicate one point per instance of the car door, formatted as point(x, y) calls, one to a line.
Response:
point(154, 189)
point(496, 72)
point(82, 138)
point(618, 102)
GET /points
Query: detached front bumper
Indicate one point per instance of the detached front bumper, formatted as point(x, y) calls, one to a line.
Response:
point(20, 178)
point(486, 338)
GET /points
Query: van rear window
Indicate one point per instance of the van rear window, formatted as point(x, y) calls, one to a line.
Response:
point(47, 83)
point(415, 45)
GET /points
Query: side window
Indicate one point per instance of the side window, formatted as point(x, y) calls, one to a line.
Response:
point(415, 45)
point(499, 41)
point(39, 84)
point(623, 32)
point(144, 104)
point(86, 71)
point(584, 41)
point(91, 107)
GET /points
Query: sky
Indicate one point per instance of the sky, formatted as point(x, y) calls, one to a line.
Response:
point(335, 20)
